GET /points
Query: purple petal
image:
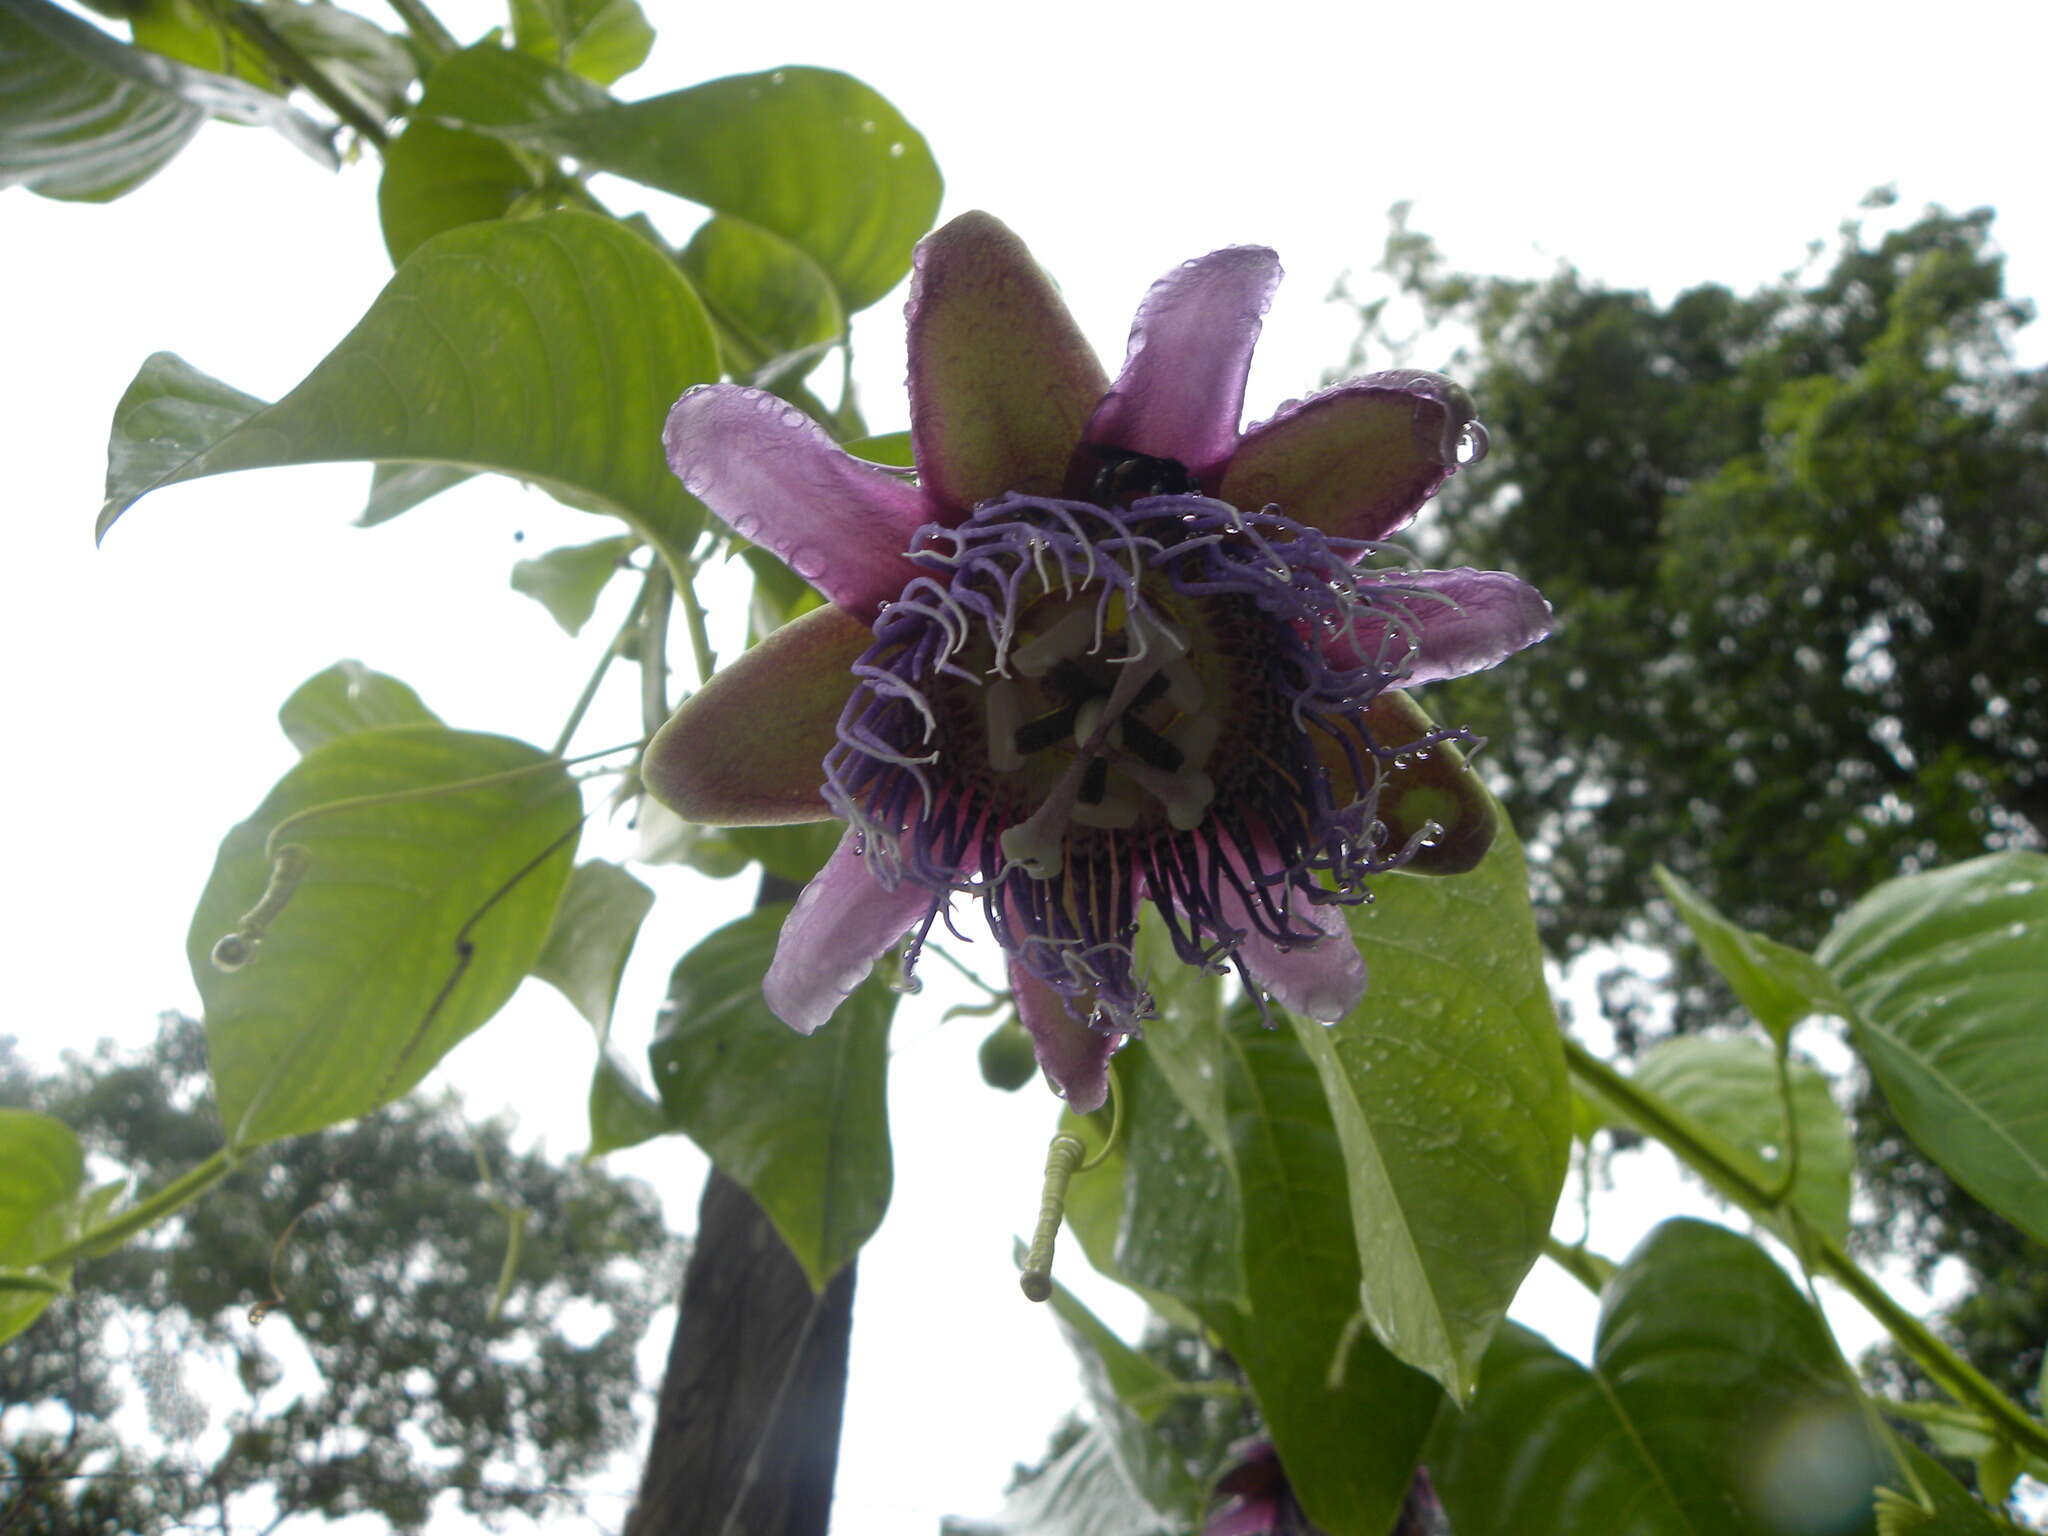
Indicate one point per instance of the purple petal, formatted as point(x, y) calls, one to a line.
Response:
point(748, 748)
point(1356, 461)
point(1073, 1056)
point(1449, 623)
point(779, 479)
point(1252, 1517)
point(1001, 379)
point(840, 924)
point(1182, 389)
point(1322, 981)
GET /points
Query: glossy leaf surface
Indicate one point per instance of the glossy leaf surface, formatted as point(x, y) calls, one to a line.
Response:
point(348, 697)
point(42, 1172)
point(1317, 1373)
point(1448, 1088)
point(808, 154)
point(1730, 1086)
point(548, 349)
point(584, 959)
point(1946, 973)
point(1128, 1391)
point(439, 175)
point(801, 1123)
point(601, 911)
point(85, 118)
point(1715, 1406)
point(600, 40)
point(412, 925)
point(774, 306)
point(1779, 985)
point(567, 581)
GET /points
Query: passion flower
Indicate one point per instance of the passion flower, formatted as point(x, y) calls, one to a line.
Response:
point(1102, 650)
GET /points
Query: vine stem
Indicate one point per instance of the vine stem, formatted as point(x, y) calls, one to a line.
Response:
point(426, 28)
point(300, 70)
point(604, 662)
point(110, 1234)
point(1696, 1147)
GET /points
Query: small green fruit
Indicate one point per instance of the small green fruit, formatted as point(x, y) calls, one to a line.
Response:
point(1007, 1060)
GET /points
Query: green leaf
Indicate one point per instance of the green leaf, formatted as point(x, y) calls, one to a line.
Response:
point(348, 697)
point(665, 838)
point(584, 958)
point(364, 61)
point(414, 921)
point(891, 448)
point(438, 175)
point(1730, 1086)
point(811, 155)
point(622, 1112)
point(1181, 1230)
point(793, 853)
point(594, 929)
point(1716, 1405)
point(399, 487)
point(550, 349)
point(567, 581)
point(1448, 1088)
point(184, 31)
point(1945, 973)
point(600, 40)
point(801, 1123)
point(1955, 1513)
point(1779, 985)
point(42, 1175)
point(85, 118)
point(1128, 1392)
point(1085, 1492)
point(1182, 1223)
point(595, 926)
point(1319, 1376)
point(775, 308)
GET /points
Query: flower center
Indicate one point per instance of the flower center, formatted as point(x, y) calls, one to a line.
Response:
point(1079, 706)
point(1097, 716)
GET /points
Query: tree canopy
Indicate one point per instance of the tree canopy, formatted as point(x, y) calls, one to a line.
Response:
point(397, 1353)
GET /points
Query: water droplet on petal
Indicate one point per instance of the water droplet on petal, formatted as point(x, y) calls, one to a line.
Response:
point(792, 417)
point(1472, 443)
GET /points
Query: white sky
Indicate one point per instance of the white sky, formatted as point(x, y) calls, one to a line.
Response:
point(142, 679)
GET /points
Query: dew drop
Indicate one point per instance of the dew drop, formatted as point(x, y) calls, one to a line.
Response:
point(777, 78)
point(792, 417)
point(1472, 443)
point(233, 952)
point(897, 149)
point(867, 125)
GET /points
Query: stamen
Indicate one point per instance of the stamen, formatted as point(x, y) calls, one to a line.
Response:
point(1005, 715)
point(1069, 637)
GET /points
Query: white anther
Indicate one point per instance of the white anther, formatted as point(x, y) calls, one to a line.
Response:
point(1028, 847)
point(1185, 795)
point(1183, 689)
point(1118, 809)
point(1196, 736)
point(1005, 715)
point(1086, 719)
point(1068, 638)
